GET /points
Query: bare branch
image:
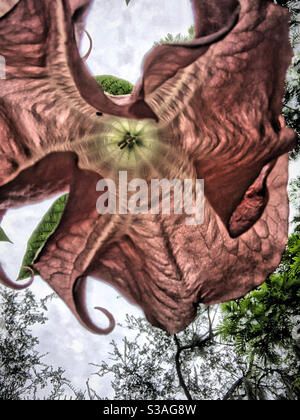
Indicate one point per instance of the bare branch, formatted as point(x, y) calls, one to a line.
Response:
point(231, 390)
point(178, 369)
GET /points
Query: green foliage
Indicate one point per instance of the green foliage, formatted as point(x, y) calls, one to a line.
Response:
point(134, 376)
point(3, 237)
point(291, 104)
point(41, 234)
point(154, 365)
point(127, 2)
point(294, 192)
point(170, 39)
point(147, 364)
point(114, 85)
point(23, 374)
point(289, 266)
point(294, 196)
point(296, 220)
point(262, 322)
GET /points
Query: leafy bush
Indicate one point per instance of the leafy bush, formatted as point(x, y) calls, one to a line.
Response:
point(170, 39)
point(114, 85)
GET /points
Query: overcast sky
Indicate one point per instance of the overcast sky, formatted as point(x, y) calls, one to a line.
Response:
point(122, 35)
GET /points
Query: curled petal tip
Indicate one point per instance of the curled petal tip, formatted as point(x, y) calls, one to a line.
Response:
point(13, 285)
point(86, 56)
point(112, 322)
point(79, 289)
point(26, 267)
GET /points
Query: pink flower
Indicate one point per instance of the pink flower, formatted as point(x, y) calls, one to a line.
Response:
point(214, 106)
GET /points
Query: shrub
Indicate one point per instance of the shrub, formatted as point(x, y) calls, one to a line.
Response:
point(114, 85)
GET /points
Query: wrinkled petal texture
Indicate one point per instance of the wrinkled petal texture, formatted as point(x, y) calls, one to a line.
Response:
point(216, 102)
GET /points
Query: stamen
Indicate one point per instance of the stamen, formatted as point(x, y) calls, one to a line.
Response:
point(128, 140)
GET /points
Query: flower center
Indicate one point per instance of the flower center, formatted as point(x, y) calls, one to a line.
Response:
point(128, 144)
point(123, 144)
point(129, 141)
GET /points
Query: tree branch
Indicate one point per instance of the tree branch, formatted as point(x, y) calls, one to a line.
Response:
point(231, 390)
point(178, 369)
point(210, 323)
point(292, 109)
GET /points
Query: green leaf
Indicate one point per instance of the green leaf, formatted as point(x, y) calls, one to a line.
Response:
point(127, 2)
point(3, 237)
point(41, 234)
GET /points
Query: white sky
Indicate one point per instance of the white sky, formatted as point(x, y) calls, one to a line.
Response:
point(122, 35)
